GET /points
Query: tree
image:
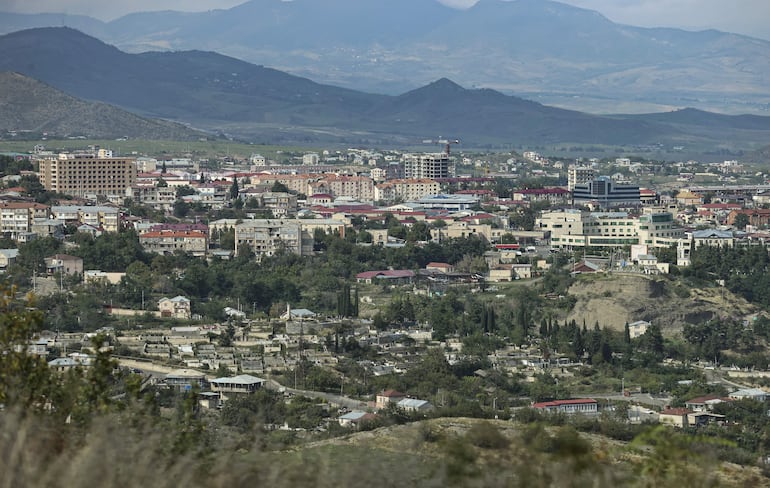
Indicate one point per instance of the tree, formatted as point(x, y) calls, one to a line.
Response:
point(627, 334)
point(181, 209)
point(279, 187)
point(25, 379)
point(234, 191)
point(184, 190)
point(226, 338)
point(741, 221)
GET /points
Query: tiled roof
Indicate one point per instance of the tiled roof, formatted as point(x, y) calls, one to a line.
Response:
point(557, 403)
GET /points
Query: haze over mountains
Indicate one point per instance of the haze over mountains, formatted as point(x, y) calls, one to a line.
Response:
point(538, 49)
point(223, 94)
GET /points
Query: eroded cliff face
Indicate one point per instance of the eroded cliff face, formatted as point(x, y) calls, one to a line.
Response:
point(614, 299)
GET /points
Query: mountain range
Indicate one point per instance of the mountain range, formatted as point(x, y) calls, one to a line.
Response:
point(31, 109)
point(225, 95)
point(538, 49)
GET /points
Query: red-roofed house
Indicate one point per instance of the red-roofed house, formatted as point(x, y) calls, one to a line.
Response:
point(391, 276)
point(386, 397)
point(705, 403)
point(585, 406)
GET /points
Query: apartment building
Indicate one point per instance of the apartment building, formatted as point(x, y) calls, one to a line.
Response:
point(194, 242)
point(409, 189)
point(99, 216)
point(86, 175)
point(433, 165)
point(154, 196)
point(266, 237)
point(282, 204)
point(359, 187)
point(577, 175)
point(17, 218)
point(295, 183)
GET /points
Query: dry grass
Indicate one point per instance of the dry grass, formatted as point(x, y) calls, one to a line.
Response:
point(113, 452)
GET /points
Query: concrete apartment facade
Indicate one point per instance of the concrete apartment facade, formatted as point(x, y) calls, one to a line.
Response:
point(88, 175)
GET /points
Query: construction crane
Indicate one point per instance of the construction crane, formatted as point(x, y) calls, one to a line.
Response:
point(447, 143)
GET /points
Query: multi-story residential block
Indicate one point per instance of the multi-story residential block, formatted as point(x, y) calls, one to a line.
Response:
point(434, 165)
point(606, 193)
point(359, 187)
point(17, 218)
point(295, 183)
point(100, 216)
point(155, 196)
point(266, 237)
point(194, 242)
point(409, 189)
point(577, 175)
point(378, 174)
point(281, 204)
point(86, 175)
point(573, 228)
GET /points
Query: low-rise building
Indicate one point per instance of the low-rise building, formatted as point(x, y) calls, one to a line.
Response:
point(185, 379)
point(7, 258)
point(677, 417)
point(177, 307)
point(386, 397)
point(585, 406)
point(243, 384)
point(414, 405)
point(390, 276)
point(64, 263)
point(355, 418)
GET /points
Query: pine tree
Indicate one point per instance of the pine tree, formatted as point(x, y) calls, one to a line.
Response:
point(627, 334)
point(491, 320)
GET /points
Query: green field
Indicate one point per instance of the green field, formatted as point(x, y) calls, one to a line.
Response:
point(136, 147)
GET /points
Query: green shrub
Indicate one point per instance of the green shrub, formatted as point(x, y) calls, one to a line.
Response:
point(486, 436)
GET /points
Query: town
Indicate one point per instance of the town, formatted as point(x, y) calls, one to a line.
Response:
point(321, 293)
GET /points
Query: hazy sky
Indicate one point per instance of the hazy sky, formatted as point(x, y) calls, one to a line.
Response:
point(741, 16)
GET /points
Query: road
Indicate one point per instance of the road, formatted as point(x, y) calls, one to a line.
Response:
point(159, 371)
point(640, 398)
point(340, 400)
